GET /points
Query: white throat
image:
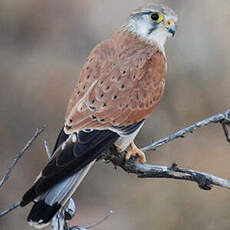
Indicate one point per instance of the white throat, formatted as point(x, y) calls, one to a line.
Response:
point(141, 29)
point(158, 37)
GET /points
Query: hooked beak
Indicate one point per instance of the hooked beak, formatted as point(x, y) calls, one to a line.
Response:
point(171, 27)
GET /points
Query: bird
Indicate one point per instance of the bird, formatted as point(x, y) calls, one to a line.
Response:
point(120, 85)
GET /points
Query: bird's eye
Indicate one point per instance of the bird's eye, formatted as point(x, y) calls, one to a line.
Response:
point(157, 17)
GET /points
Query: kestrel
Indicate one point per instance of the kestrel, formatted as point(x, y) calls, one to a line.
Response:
point(120, 85)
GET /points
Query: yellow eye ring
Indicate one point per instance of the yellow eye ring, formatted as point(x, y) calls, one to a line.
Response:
point(157, 17)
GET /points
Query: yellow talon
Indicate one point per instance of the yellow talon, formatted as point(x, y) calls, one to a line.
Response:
point(133, 151)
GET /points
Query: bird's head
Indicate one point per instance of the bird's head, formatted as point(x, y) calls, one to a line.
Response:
point(153, 23)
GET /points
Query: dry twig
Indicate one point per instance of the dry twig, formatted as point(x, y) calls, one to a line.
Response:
point(12, 207)
point(13, 164)
point(204, 180)
point(94, 224)
point(19, 156)
point(223, 118)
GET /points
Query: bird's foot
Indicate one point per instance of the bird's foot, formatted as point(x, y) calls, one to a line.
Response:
point(134, 151)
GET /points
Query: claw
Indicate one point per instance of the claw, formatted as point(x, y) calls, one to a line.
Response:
point(134, 151)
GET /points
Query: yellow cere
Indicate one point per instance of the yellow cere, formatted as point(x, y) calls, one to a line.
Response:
point(157, 17)
point(170, 23)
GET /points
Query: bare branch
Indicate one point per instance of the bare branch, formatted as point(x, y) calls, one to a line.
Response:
point(59, 221)
point(13, 164)
point(19, 156)
point(204, 180)
point(12, 207)
point(94, 224)
point(48, 152)
point(101, 220)
point(223, 118)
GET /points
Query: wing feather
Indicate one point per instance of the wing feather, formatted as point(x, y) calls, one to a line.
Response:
point(125, 76)
point(70, 157)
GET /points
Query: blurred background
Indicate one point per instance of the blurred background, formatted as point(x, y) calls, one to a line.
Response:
point(43, 45)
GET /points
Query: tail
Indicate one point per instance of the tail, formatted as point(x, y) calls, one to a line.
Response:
point(73, 157)
point(49, 203)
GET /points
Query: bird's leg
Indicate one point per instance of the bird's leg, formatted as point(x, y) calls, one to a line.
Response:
point(133, 151)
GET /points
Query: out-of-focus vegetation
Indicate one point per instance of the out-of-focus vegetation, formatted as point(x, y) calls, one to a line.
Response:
point(43, 45)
